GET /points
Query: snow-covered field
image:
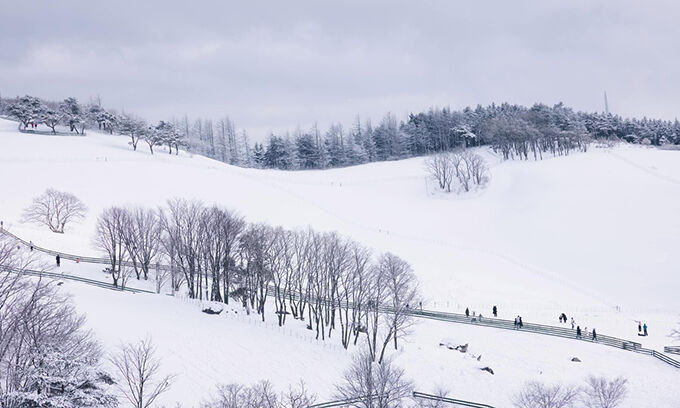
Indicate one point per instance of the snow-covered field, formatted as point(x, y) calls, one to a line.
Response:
point(591, 235)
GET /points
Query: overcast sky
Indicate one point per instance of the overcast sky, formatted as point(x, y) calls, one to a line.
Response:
point(278, 64)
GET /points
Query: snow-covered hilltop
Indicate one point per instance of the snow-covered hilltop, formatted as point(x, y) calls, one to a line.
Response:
point(591, 235)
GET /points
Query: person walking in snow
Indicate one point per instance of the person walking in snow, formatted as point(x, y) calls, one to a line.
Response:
point(467, 312)
point(644, 328)
point(578, 332)
point(572, 323)
point(495, 311)
point(58, 261)
point(30, 245)
point(594, 335)
point(639, 327)
point(516, 322)
point(520, 323)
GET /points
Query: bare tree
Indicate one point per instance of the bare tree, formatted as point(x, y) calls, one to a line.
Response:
point(537, 395)
point(55, 209)
point(162, 274)
point(297, 397)
point(373, 385)
point(139, 370)
point(110, 237)
point(602, 393)
point(142, 238)
point(475, 167)
point(440, 167)
point(182, 240)
point(458, 164)
point(403, 294)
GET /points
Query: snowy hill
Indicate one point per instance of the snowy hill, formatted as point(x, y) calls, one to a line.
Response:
point(579, 234)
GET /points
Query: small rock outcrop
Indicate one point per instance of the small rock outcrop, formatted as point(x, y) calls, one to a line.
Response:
point(488, 370)
point(212, 312)
point(463, 348)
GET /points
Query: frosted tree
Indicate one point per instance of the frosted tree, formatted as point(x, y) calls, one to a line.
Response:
point(51, 118)
point(132, 127)
point(55, 209)
point(245, 152)
point(167, 134)
point(47, 356)
point(72, 114)
point(335, 146)
point(27, 110)
point(156, 136)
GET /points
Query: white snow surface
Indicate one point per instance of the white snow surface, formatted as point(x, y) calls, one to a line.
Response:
point(592, 235)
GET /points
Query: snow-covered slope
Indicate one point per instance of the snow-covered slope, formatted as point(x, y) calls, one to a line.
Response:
point(580, 234)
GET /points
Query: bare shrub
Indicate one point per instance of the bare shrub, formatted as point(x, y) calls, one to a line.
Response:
point(139, 370)
point(373, 385)
point(55, 209)
point(537, 395)
point(602, 393)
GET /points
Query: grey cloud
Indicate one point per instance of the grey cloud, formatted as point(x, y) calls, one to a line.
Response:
point(274, 65)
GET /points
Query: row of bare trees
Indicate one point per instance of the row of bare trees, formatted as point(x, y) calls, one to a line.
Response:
point(334, 283)
point(462, 166)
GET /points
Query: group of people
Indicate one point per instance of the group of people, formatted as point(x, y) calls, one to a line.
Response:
point(518, 322)
point(642, 329)
point(579, 333)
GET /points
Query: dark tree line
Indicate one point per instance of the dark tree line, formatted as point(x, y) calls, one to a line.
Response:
point(515, 131)
point(334, 284)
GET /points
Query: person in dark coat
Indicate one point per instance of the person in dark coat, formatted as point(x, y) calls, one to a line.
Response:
point(58, 260)
point(578, 332)
point(520, 323)
point(639, 327)
point(644, 328)
point(594, 335)
point(495, 311)
point(467, 312)
point(516, 322)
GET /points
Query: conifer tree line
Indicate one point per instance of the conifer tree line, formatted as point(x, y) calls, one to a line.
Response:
point(336, 285)
point(515, 131)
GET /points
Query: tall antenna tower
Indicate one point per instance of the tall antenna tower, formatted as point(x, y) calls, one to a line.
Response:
point(606, 104)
